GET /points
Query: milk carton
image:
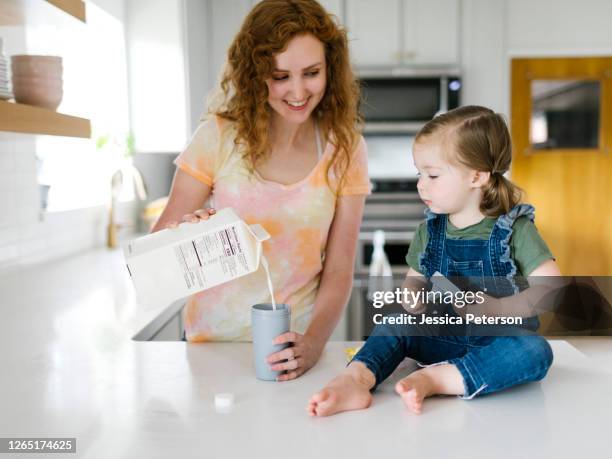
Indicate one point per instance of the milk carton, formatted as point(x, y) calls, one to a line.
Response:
point(174, 263)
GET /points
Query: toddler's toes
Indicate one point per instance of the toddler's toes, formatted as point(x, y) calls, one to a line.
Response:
point(321, 396)
point(402, 386)
point(311, 408)
point(411, 392)
point(326, 402)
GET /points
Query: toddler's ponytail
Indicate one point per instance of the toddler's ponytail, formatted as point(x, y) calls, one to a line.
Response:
point(482, 142)
point(499, 195)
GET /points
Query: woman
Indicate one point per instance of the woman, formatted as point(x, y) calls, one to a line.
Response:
point(281, 146)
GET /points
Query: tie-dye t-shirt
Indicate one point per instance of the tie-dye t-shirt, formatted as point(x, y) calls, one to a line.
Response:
point(297, 216)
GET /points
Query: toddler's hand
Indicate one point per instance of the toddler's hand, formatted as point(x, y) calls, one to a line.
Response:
point(198, 215)
point(414, 283)
point(490, 306)
point(418, 308)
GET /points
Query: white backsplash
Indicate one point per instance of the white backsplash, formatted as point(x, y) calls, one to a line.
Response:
point(28, 236)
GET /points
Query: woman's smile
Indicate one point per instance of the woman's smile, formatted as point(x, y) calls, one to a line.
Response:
point(297, 105)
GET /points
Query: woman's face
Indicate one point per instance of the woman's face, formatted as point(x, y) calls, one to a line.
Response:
point(299, 78)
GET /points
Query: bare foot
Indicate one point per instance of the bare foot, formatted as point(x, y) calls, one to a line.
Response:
point(413, 389)
point(441, 379)
point(348, 391)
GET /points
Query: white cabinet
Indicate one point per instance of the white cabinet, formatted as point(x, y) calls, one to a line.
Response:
point(403, 32)
point(431, 32)
point(374, 31)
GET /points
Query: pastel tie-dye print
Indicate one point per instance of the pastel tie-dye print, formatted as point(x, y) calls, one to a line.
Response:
point(297, 216)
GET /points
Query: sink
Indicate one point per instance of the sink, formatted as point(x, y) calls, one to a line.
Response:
point(168, 326)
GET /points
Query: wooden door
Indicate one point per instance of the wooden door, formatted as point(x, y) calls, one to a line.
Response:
point(569, 181)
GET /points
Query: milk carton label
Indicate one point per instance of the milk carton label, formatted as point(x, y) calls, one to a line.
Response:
point(174, 263)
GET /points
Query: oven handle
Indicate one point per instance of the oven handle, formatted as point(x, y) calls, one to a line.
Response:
point(390, 236)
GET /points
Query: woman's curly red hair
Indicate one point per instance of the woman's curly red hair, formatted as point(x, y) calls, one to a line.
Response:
point(265, 32)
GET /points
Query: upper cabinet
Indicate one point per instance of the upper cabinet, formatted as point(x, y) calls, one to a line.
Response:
point(374, 31)
point(431, 31)
point(404, 32)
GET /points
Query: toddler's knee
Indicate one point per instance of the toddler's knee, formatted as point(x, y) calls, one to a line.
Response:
point(540, 353)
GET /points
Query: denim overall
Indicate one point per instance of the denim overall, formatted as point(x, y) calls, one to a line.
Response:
point(487, 363)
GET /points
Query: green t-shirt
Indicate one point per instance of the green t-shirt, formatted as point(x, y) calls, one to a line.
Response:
point(527, 248)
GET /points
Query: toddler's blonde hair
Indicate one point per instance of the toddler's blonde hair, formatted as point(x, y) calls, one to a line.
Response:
point(479, 139)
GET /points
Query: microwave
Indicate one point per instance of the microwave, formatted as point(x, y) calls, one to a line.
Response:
point(402, 100)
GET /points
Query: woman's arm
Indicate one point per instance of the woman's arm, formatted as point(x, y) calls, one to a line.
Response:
point(186, 196)
point(333, 294)
point(337, 277)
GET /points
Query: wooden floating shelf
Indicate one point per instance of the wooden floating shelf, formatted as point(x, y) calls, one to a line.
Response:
point(20, 12)
point(74, 8)
point(28, 119)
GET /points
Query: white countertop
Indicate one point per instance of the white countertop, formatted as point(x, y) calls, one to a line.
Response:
point(70, 369)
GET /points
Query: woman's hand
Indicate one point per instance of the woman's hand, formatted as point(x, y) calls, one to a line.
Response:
point(198, 215)
point(299, 357)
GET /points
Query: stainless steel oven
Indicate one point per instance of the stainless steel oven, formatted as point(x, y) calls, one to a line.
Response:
point(394, 207)
point(402, 100)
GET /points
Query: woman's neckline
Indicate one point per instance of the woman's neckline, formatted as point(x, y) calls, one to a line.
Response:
point(321, 152)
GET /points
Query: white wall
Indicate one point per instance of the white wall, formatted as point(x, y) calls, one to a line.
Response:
point(482, 53)
point(559, 26)
point(158, 100)
point(26, 235)
point(197, 45)
point(495, 31)
point(114, 7)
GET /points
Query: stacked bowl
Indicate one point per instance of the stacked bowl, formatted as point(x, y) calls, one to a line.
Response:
point(37, 80)
point(5, 93)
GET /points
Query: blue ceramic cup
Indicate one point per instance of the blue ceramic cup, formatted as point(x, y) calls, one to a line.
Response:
point(266, 324)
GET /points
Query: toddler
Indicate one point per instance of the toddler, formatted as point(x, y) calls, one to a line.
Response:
point(475, 229)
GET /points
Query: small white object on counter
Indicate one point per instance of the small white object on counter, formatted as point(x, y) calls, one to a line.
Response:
point(224, 402)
